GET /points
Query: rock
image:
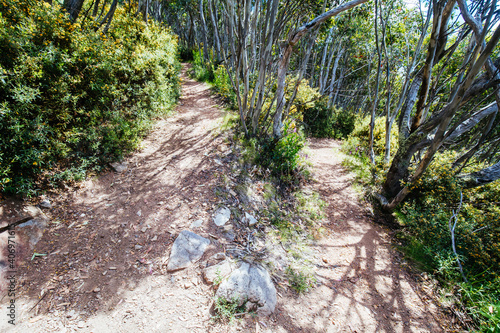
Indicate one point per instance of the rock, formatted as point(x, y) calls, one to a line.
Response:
point(45, 203)
point(138, 247)
point(222, 215)
point(249, 219)
point(139, 212)
point(119, 166)
point(187, 248)
point(154, 238)
point(81, 324)
point(196, 224)
point(250, 284)
point(217, 273)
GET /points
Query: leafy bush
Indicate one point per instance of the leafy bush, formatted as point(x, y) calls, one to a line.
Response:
point(202, 70)
point(223, 86)
point(72, 97)
point(325, 122)
point(282, 156)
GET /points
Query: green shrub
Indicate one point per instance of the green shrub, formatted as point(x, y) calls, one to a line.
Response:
point(324, 122)
point(72, 97)
point(282, 156)
point(223, 86)
point(202, 70)
point(227, 309)
point(299, 281)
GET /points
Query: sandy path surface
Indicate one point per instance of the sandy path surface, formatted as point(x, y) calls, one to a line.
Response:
point(108, 243)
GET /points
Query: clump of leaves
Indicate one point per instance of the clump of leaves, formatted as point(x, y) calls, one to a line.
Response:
point(227, 309)
point(299, 281)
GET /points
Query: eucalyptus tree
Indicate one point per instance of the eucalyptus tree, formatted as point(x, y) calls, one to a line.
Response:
point(450, 95)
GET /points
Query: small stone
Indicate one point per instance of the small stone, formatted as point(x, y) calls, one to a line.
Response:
point(218, 272)
point(154, 238)
point(222, 215)
point(187, 248)
point(172, 206)
point(81, 324)
point(144, 229)
point(138, 247)
point(250, 219)
point(97, 289)
point(196, 224)
point(139, 213)
point(119, 167)
point(250, 284)
point(45, 203)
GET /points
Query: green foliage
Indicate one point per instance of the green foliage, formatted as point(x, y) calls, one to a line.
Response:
point(483, 300)
point(425, 216)
point(299, 281)
point(226, 310)
point(223, 86)
point(358, 142)
point(282, 156)
point(324, 122)
point(202, 70)
point(73, 98)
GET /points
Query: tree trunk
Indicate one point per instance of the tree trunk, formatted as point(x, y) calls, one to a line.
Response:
point(73, 7)
point(287, 52)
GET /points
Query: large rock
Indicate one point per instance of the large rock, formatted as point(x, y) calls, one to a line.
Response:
point(222, 215)
point(217, 273)
point(187, 248)
point(253, 285)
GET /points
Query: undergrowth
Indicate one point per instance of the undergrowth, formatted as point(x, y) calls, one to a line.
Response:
point(74, 99)
point(425, 231)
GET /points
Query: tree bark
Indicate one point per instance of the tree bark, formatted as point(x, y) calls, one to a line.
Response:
point(481, 177)
point(73, 7)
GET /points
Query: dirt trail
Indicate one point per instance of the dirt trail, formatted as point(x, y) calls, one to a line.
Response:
point(109, 241)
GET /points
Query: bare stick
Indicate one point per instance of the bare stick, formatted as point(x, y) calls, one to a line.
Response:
point(452, 232)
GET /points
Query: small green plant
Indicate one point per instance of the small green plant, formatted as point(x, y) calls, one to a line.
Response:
point(299, 281)
point(226, 310)
point(282, 156)
point(218, 277)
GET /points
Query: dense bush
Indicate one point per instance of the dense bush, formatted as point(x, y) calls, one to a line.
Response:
point(328, 122)
point(282, 156)
point(72, 98)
